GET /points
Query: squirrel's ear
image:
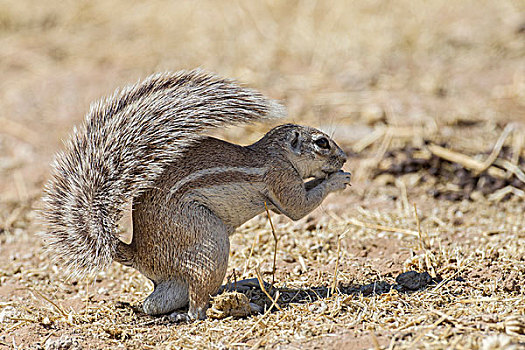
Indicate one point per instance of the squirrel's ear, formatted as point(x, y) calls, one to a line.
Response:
point(295, 142)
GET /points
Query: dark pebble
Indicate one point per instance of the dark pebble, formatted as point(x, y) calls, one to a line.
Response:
point(413, 280)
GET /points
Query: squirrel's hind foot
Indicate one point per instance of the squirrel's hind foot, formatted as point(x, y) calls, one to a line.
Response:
point(167, 296)
point(191, 315)
point(179, 317)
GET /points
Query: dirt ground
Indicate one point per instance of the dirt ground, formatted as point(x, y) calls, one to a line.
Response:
point(426, 97)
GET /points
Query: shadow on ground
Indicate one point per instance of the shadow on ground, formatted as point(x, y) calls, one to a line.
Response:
point(406, 282)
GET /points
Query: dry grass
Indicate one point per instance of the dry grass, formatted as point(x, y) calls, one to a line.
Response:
point(379, 75)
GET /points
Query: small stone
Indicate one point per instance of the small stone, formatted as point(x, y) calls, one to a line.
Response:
point(413, 280)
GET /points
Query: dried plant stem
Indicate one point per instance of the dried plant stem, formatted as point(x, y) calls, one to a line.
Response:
point(250, 255)
point(356, 222)
point(261, 284)
point(369, 140)
point(424, 240)
point(518, 142)
point(497, 148)
point(394, 131)
point(501, 193)
point(86, 306)
point(464, 160)
point(387, 139)
point(274, 303)
point(59, 309)
point(276, 241)
point(511, 168)
point(19, 324)
point(336, 269)
point(404, 196)
point(47, 337)
point(443, 317)
point(379, 154)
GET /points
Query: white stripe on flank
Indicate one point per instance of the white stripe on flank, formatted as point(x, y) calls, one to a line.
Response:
point(216, 170)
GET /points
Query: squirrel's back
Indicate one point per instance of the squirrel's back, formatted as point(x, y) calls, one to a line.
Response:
point(124, 145)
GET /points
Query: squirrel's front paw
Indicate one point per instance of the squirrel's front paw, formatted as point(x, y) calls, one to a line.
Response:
point(338, 181)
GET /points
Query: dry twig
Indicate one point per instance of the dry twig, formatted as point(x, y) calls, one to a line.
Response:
point(261, 285)
point(464, 160)
point(356, 222)
point(336, 269)
point(501, 193)
point(496, 149)
point(276, 240)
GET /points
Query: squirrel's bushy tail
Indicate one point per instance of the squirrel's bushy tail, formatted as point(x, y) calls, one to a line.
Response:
point(123, 146)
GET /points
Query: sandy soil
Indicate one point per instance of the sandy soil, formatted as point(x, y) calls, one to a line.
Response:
point(382, 77)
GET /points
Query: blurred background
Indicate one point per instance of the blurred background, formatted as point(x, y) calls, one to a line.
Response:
point(347, 67)
point(418, 93)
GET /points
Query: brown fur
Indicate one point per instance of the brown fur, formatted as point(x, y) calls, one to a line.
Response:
point(238, 183)
point(189, 192)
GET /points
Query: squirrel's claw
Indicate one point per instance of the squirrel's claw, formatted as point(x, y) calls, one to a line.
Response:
point(179, 317)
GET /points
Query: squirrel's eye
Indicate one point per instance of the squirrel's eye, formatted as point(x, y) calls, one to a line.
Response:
point(322, 143)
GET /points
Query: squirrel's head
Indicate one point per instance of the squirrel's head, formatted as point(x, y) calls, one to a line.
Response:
point(311, 151)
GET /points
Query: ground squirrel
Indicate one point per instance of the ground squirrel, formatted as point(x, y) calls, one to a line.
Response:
point(189, 192)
